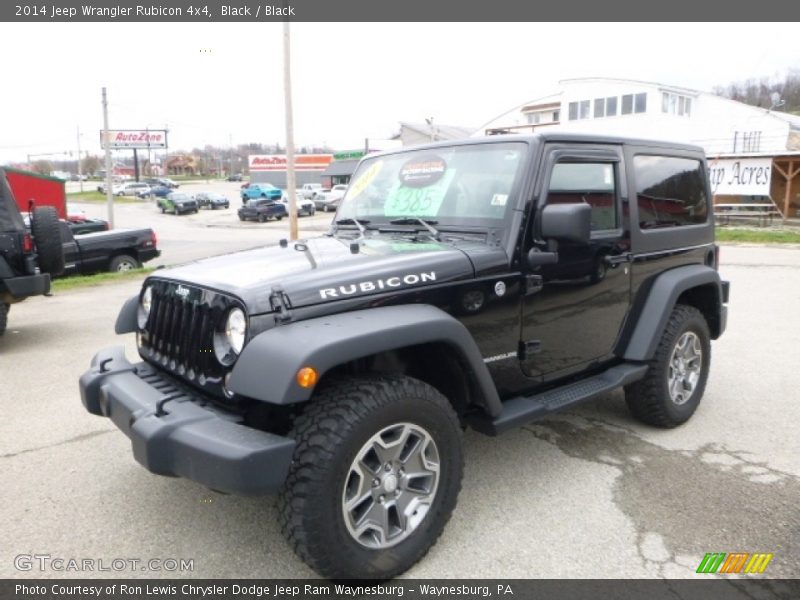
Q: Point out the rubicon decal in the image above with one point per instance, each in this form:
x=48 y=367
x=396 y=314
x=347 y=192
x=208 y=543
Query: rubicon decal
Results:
x=363 y=287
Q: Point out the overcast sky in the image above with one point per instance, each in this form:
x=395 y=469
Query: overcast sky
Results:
x=213 y=82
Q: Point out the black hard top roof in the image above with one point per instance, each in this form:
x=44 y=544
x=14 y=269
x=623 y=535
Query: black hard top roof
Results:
x=551 y=136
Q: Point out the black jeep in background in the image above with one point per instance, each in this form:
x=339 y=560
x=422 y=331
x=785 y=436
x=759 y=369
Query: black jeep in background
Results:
x=484 y=283
x=27 y=258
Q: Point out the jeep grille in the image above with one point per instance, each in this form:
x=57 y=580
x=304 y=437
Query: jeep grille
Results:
x=179 y=332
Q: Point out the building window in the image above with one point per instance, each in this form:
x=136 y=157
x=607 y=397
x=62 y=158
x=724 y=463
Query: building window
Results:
x=670 y=191
x=599 y=108
x=579 y=110
x=627 y=104
x=675 y=104
x=556 y=116
x=611 y=106
x=534 y=118
x=640 y=105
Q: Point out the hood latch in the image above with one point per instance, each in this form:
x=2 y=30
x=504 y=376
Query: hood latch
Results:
x=279 y=302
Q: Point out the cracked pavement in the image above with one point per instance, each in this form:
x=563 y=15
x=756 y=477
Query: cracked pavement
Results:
x=586 y=494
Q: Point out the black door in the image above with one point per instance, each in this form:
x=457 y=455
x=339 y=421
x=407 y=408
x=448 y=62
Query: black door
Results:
x=575 y=308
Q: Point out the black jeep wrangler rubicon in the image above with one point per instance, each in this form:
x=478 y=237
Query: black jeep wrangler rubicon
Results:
x=482 y=284
x=27 y=258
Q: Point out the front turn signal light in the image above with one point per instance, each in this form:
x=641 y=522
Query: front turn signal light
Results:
x=307 y=377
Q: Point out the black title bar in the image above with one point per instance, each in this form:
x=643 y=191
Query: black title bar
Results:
x=209 y=11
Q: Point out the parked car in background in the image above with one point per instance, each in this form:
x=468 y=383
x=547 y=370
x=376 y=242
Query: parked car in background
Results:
x=118 y=250
x=304 y=207
x=130 y=188
x=211 y=200
x=166 y=181
x=333 y=205
x=235 y=177
x=159 y=191
x=311 y=190
x=261 y=190
x=336 y=193
x=261 y=210
x=178 y=203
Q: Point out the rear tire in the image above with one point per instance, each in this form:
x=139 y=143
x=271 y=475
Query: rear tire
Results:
x=674 y=384
x=122 y=263
x=47 y=235
x=349 y=509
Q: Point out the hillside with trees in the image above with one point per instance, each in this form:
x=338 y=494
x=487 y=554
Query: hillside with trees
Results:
x=766 y=92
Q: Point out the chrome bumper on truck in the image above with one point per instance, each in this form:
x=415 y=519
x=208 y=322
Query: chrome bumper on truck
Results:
x=175 y=432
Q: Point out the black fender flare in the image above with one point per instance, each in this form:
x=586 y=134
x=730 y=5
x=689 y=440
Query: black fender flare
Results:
x=127 y=321
x=652 y=310
x=268 y=364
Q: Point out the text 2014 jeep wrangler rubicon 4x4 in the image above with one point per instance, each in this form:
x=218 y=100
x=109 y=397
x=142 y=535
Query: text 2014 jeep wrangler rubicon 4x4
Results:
x=482 y=284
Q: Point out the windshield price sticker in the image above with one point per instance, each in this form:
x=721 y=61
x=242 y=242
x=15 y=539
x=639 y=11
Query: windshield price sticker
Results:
x=418 y=201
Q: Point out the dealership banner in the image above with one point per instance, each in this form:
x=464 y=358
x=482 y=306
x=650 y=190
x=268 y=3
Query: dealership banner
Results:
x=133 y=138
x=416 y=589
x=277 y=162
x=740 y=176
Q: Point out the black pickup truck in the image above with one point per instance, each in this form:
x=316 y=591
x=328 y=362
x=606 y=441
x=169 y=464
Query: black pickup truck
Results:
x=118 y=250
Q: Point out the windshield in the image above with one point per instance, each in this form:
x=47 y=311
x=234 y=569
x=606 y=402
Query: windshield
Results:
x=459 y=185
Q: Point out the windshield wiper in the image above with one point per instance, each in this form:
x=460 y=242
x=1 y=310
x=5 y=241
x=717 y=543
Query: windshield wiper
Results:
x=357 y=222
x=427 y=223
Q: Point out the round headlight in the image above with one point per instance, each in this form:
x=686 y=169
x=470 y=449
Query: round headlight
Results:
x=235 y=329
x=145 y=303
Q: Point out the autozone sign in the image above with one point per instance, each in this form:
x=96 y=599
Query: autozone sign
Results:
x=134 y=138
x=277 y=162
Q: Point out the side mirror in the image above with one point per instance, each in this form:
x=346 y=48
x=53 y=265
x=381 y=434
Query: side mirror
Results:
x=567 y=222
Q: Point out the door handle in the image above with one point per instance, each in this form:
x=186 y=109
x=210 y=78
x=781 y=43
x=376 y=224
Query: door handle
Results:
x=613 y=261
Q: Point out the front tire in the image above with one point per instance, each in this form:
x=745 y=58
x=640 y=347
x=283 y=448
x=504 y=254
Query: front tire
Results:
x=375 y=476
x=674 y=384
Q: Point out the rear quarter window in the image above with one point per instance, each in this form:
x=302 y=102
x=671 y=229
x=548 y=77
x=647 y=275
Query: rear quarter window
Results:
x=670 y=191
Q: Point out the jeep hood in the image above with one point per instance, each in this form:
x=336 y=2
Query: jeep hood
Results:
x=323 y=269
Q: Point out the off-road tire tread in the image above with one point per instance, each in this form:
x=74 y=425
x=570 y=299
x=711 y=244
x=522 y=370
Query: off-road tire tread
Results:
x=645 y=397
x=320 y=428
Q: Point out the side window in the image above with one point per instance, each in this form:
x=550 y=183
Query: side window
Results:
x=670 y=191
x=589 y=182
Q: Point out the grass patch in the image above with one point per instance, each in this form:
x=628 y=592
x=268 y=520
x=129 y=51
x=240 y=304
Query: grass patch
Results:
x=95 y=196
x=79 y=281
x=761 y=236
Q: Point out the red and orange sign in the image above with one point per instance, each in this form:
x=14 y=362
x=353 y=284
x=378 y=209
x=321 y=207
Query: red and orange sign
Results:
x=277 y=162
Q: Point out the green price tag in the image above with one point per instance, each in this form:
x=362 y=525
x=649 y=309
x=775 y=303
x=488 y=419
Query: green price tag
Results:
x=417 y=201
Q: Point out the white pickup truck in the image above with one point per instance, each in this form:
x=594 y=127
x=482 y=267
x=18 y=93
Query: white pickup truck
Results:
x=311 y=190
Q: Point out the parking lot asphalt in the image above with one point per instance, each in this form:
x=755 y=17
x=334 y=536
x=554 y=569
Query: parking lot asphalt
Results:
x=589 y=493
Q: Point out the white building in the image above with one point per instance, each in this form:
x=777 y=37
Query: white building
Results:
x=752 y=151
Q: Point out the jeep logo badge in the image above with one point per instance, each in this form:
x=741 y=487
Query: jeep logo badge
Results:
x=182 y=291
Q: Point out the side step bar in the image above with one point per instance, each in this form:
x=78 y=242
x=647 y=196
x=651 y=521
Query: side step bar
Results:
x=523 y=409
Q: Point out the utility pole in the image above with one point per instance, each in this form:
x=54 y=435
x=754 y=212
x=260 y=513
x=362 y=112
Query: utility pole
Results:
x=287 y=89
x=230 y=143
x=109 y=194
x=80 y=168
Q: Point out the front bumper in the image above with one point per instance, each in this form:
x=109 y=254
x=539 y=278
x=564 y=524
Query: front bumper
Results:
x=175 y=432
